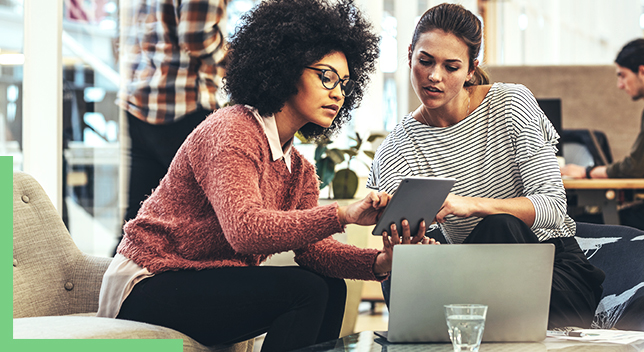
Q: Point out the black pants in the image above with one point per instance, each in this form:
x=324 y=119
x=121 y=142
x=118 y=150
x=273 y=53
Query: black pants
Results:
x=576 y=284
x=296 y=307
x=152 y=148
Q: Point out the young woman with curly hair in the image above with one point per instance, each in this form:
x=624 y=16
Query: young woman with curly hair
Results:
x=237 y=191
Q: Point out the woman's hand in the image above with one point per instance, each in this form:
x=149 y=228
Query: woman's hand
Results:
x=573 y=171
x=382 y=266
x=365 y=211
x=463 y=207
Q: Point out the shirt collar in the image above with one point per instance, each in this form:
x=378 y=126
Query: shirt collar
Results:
x=270 y=129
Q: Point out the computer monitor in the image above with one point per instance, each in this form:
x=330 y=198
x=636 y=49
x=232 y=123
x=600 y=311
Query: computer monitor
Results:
x=552 y=108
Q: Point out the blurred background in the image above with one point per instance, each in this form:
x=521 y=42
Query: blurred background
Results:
x=87 y=179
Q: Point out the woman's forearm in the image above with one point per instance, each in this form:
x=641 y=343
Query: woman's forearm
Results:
x=520 y=207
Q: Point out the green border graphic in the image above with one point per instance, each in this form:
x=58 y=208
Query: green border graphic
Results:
x=6 y=293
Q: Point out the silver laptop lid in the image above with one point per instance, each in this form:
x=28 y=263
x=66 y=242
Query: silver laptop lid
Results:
x=514 y=280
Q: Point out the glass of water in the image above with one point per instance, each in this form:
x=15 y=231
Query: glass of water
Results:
x=465 y=323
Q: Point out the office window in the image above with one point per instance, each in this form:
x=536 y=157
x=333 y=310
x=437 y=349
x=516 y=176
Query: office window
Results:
x=11 y=60
x=91 y=154
x=572 y=32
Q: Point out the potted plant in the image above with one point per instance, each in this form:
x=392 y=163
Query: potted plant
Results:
x=344 y=182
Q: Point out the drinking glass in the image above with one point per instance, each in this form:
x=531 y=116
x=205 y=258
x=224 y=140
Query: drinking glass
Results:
x=465 y=323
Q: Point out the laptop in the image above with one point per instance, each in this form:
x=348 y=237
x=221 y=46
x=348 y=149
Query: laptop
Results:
x=514 y=280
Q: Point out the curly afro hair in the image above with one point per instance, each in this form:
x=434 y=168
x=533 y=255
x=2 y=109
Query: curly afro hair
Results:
x=278 y=38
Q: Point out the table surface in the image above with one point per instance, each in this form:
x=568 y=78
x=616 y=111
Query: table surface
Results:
x=367 y=341
x=609 y=183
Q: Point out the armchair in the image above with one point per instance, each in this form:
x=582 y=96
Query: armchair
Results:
x=56 y=286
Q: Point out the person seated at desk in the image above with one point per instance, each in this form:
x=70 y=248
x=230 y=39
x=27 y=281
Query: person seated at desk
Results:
x=630 y=78
x=237 y=192
x=499 y=145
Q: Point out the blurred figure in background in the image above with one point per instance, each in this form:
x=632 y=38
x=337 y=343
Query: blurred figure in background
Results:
x=630 y=78
x=174 y=53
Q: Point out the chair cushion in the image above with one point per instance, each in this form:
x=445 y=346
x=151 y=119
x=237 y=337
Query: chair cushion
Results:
x=90 y=327
x=617 y=250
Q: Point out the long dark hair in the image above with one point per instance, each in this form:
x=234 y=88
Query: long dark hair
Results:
x=455 y=19
x=632 y=55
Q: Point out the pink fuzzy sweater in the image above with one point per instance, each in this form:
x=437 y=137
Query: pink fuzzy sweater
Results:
x=225 y=202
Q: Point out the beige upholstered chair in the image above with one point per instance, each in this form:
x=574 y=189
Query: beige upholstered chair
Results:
x=56 y=286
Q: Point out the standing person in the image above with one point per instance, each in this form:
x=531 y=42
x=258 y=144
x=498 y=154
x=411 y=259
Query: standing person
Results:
x=174 y=59
x=499 y=146
x=630 y=78
x=238 y=191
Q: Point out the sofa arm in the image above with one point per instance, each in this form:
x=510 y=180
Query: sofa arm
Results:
x=87 y=277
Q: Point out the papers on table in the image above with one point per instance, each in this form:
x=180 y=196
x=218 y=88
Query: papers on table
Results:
x=622 y=337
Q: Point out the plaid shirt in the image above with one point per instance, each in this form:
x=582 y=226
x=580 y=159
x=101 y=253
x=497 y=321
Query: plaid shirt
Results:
x=174 y=58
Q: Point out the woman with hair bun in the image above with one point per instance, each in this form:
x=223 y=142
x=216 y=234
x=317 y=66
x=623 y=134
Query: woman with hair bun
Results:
x=499 y=145
x=237 y=192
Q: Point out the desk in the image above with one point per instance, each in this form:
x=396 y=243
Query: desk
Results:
x=603 y=193
x=367 y=341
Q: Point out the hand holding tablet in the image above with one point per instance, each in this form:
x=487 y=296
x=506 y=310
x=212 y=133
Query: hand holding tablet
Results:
x=417 y=198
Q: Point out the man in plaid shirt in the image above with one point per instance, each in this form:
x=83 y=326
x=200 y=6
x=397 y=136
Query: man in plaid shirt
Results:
x=174 y=55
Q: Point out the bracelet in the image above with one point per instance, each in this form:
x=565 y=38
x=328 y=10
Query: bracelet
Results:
x=588 y=170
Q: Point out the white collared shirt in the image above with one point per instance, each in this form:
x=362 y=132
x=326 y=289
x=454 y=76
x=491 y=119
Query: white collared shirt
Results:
x=270 y=129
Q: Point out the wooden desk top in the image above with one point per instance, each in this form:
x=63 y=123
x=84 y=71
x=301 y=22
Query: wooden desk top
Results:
x=610 y=183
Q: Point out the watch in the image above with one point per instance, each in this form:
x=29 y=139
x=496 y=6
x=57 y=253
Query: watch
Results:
x=588 y=170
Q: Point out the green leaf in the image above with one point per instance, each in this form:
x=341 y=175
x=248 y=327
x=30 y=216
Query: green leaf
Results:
x=350 y=152
x=358 y=142
x=369 y=153
x=345 y=184
x=325 y=169
x=302 y=138
x=319 y=151
x=336 y=155
x=375 y=136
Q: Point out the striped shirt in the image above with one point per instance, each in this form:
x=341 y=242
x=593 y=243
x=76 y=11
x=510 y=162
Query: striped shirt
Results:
x=173 y=56
x=504 y=149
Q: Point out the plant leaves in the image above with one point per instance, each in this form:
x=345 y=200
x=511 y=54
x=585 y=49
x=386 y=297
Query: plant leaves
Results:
x=325 y=169
x=375 y=136
x=302 y=138
x=345 y=184
x=319 y=151
x=336 y=155
x=350 y=152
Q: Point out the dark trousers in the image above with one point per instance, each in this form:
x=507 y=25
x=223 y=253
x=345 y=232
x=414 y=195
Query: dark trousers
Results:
x=576 y=284
x=152 y=148
x=294 y=306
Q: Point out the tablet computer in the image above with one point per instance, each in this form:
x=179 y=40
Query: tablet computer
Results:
x=417 y=198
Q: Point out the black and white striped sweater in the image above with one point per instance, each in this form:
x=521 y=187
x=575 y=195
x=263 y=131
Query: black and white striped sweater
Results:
x=504 y=149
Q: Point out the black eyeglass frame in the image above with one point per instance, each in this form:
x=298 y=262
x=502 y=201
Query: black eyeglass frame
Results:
x=342 y=81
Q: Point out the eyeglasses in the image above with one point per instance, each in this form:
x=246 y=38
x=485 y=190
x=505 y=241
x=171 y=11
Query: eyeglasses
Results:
x=330 y=80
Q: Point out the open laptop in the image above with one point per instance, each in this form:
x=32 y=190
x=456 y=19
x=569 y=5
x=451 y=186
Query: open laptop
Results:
x=514 y=280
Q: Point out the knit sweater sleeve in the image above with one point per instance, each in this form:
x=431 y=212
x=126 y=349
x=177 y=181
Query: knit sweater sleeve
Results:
x=332 y=258
x=228 y=159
